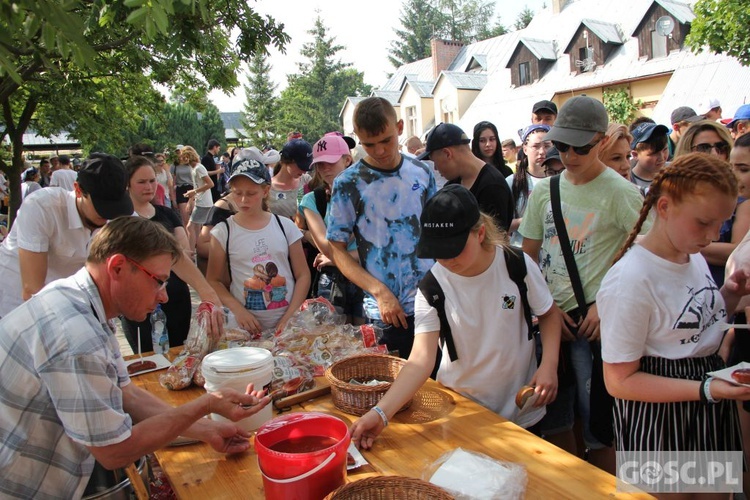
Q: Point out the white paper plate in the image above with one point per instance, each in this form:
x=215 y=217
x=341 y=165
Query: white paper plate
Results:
x=726 y=373
x=161 y=363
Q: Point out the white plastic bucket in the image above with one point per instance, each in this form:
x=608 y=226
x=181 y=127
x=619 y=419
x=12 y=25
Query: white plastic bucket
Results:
x=235 y=368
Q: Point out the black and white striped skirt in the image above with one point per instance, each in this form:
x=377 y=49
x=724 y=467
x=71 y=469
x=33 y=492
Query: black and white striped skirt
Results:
x=680 y=426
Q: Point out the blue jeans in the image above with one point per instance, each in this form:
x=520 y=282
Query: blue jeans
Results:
x=582 y=361
x=344 y=295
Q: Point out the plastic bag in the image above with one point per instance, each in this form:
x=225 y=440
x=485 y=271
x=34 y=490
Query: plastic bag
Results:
x=470 y=475
x=197 y=344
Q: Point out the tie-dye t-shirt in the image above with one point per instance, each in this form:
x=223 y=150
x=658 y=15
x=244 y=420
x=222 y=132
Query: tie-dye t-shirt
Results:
x=382 y=208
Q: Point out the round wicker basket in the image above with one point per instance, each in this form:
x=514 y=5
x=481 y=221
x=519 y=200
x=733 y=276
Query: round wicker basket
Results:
x=355 y=398
x=389 y=488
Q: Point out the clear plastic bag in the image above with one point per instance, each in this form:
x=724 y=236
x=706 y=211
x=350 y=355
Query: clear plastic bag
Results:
x=470 y=475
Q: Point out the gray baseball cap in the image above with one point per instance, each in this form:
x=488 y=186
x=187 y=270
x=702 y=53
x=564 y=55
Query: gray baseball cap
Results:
x=579 y=120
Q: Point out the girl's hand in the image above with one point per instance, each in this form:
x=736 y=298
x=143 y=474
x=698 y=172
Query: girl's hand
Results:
x=246 y=320
x=366 y=429
x=283 y=321
x=322 y=261
x=721 y=389
x=545 y=385
x=190 y=194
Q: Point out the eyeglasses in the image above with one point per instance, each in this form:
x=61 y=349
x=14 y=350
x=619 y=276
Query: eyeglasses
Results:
x=551 y=172
x=721 y=147
x=579 y=150
x=162 y=283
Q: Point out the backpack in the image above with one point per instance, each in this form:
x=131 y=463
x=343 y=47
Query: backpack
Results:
x=433 y=293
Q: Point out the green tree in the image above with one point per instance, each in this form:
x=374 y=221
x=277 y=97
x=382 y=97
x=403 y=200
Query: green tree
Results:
x=722 y=26
x=420 y=20
x=524 y=18
x=85 y=48
x=312 y=100
x=259 y=113
x=213 y=127
x=620 y=105
x=182 y=126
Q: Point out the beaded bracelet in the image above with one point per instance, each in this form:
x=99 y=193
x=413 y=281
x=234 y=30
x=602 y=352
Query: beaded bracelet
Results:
x=380 y=412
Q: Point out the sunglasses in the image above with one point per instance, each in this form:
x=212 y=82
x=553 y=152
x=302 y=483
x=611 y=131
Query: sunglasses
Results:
x=579 y=150
x=162 y=283
x=721 y=147
x=551 y=172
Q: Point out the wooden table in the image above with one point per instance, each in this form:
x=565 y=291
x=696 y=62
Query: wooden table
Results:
x=438 y=421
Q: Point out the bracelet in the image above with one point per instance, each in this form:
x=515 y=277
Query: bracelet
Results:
x=380 y=412
x=707 y=391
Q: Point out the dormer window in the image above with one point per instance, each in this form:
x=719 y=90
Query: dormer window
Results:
x=658 y=45
x=654 y=40
x=524 y=74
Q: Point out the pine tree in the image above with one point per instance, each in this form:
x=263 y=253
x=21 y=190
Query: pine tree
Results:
x=258 y=116
x=312 y=100
x=421 y=21
x=524 y=18
x=213 y=127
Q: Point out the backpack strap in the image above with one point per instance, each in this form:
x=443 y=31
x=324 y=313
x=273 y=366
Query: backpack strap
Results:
x=226 y=249
x=434 y=295
x=281 y=226
x=516 y=264
x=321 y=200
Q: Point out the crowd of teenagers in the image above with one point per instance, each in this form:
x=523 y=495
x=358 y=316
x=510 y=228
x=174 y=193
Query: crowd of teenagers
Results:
x=598 y=263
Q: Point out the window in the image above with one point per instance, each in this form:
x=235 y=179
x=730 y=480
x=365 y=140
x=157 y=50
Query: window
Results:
x=658 y=45
x=524 y=74
x=411 y=121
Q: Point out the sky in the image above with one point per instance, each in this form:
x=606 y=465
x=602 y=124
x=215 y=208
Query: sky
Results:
x=364 y=32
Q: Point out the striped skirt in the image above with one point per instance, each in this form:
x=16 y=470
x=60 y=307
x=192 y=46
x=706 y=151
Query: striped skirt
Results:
x=680 y=426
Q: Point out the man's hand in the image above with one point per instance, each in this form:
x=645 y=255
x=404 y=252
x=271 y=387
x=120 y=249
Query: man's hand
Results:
x=391 y=311
x=590 y=325
x=567 y=324
x=226 y=437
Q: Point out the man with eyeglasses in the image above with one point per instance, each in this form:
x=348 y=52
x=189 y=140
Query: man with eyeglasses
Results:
x=67 y=396
x=599 y=208
x=50 y=237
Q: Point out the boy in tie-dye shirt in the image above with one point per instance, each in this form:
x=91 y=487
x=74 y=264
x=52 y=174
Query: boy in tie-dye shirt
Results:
x=379 y=200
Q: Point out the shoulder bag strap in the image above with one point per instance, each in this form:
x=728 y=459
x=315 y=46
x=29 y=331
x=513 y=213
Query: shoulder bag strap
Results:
x=567 y=251
x=516 y=265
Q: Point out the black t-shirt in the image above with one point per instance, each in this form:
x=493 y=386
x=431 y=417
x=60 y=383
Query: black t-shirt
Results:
x=209 y=162
x=167 y=218
x=493 y=195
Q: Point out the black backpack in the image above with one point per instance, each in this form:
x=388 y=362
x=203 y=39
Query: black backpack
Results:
x=433 y=293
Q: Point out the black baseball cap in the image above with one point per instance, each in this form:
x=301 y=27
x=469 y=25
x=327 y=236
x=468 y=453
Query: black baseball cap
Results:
x=446 y=221
x=104 y=179
x=545 y=105
x=644 y=131
x=298 y=151
x=443 y=136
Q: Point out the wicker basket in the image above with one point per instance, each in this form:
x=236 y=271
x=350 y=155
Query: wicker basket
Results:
x=389 y=488
x=358 y=399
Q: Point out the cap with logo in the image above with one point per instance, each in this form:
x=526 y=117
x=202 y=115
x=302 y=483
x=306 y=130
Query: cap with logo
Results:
x=685 y=114
x=545 y=105
x=533 y=128
x=742 y=113
x=579 y=120
x=349 y=141
x=298 y=151
x=644 y=131
x=446 y=221
x=252 y=169
x=330 y=149
x=443 y=136
x=104 y=179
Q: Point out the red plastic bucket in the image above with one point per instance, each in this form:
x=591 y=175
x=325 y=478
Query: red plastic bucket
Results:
x=302 y=456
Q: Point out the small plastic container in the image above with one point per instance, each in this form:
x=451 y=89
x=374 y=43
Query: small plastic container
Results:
x=236 y=368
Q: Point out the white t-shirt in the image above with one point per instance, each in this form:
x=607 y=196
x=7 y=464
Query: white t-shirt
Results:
x=63 y=178
x=48 y=221
x=485 y=313
x=262 y=277
x=203 y=199
x=650 y=306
